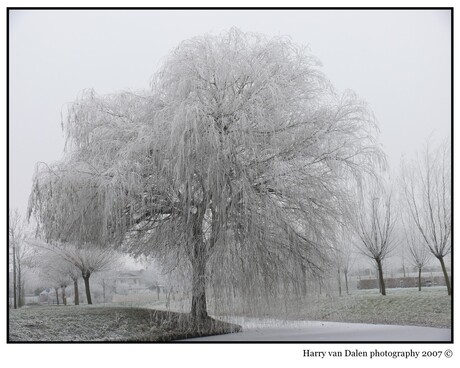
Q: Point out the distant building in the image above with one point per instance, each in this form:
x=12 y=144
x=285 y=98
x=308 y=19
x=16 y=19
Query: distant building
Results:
x=132 y=282
x=48 y=296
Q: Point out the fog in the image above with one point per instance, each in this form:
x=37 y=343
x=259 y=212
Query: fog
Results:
x=399 y=61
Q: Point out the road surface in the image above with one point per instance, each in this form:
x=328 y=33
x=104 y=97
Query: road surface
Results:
x=272 y=330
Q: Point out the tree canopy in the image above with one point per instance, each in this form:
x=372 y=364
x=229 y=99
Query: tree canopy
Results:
x=242 y=156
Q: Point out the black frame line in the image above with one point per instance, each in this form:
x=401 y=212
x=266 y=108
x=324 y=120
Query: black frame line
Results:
x=8 y=9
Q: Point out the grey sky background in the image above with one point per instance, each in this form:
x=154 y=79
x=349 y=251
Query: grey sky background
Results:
x=399 y=61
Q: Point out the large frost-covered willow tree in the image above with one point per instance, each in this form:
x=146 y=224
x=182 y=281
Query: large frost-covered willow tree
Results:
x=236 y=164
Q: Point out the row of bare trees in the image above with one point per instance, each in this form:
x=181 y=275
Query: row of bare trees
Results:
x=57 y=265
x=63 y=265
x=427 y=191
x=424 y=211
x=21 y=255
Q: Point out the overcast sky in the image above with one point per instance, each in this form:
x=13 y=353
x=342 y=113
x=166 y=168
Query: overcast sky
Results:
x=399 y=61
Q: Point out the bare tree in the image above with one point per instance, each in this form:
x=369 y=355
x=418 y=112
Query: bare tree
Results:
x=375 y=227
x=70 y=261
x=348 y=259
x=59 y=270
x=418 y=252
x=426 y=183
x=24 y=259
x=73 y=272
x=339 y=263
x=54 y=271
x=20 y=254
x=344 y=254
x=88 y=259
x=239 y=156
x=14 y=236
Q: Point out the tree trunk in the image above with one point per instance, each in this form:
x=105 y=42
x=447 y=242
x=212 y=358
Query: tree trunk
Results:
x=339 y=281
x=23 y=295
x=345 y=273
x=420 y=279
x=446 y=276
x=199 y=308
x=20 y=292
x=56 y=290
x=86 y=276
x=75 y=291
x=15 y=304
x=64 y=297
x=381 y=280
x=378 y=280
x=199 y=256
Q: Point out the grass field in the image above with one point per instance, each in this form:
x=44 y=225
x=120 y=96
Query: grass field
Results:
x=429 y=307
x=96 y=323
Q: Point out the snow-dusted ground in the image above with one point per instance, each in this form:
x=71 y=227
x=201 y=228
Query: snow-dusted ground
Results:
x=274 y=330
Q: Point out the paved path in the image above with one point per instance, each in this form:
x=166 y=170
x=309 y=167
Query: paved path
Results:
x=260 y=330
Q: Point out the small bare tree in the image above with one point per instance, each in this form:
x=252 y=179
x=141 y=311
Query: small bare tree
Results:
x=53 y=270
x=348 y=260
x=61 y=269
x=426 y=183
x=339 y=260
x=89 y=259
x=418 y=252
x=375 y=227
x=345 y=255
